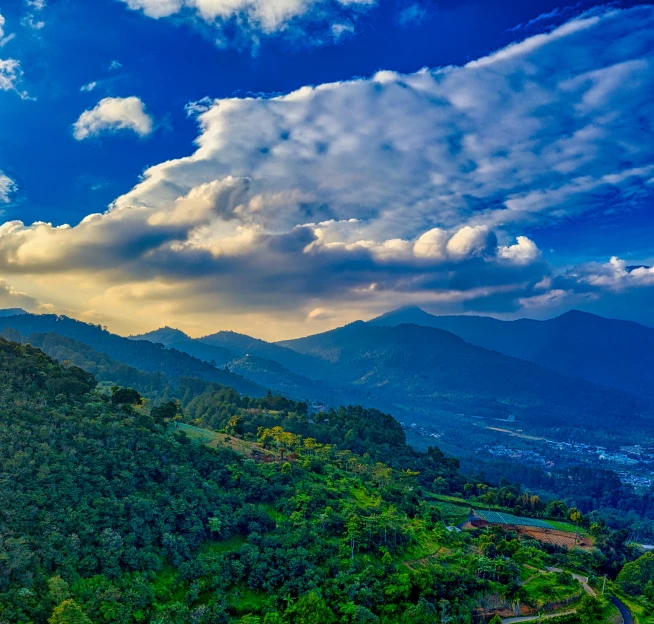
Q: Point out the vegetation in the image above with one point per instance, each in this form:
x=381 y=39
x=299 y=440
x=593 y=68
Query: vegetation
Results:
x=217 y=507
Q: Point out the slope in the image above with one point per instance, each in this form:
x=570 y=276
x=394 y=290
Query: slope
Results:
x=431 y=369
x=609 y=352
x=298 y=363
x=112 y=514
x=141 y=354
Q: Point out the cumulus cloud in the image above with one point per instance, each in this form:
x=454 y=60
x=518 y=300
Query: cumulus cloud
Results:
x=376 y=192
x=262 y=17
x=112 y=114
x=616 y=275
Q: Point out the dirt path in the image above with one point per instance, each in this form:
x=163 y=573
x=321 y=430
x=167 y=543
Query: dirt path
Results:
x=531 y=618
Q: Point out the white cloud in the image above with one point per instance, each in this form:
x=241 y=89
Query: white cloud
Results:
x=10 y=74
x=7 y=187
x=4 y=39
x=414 y=13
x=388 y=190
x=33 y=18
x=193 y=109
x=524 y=251
x=262 y=16
x=342 y=29
x=10 y=71
x=88 y=87
x=614 y=275
x=113 y=114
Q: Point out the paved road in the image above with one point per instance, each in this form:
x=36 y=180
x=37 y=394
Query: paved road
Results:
x=624 y=612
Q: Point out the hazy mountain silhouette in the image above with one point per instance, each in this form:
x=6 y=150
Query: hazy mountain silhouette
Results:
x=609 y=352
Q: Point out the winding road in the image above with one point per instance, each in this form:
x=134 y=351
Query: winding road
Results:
x=627 y=618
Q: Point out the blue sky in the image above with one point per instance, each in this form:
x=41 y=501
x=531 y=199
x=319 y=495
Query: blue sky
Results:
x=501 y=186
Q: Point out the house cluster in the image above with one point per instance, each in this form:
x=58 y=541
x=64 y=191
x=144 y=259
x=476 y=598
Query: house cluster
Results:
x=521 y=455
x=422 y=430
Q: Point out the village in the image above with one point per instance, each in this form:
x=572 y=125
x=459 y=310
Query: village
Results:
x=633 y=464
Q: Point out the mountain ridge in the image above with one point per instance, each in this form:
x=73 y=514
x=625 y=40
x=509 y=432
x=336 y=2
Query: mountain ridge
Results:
x=436 y=367
x=609 y=352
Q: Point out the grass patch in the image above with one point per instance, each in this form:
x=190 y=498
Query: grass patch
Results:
x=451 y=513
x=203 y=436
x=568 y=527
x=544 y=588
x=167 y=586
x=424 y=544
x=364 y=498
x=246 y=601
x=230 y=544
x=277 y=516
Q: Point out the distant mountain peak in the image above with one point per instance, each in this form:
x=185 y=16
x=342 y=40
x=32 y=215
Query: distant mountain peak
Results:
x=164 y=335
x=12 y=312
x=406 y=314
x=574 y=313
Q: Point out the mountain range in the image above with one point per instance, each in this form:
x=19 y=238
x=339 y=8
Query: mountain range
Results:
x=605 y=351
x=577 y=373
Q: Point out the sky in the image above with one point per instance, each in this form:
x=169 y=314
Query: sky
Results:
x=283 y=167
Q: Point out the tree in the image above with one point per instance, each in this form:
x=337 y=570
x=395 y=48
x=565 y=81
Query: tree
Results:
x=592 y=609
x=287 y=469
x=575 y=515
x=635 y=576
x=557 y=509
x=424 y=612
x=58 y=590
x=69 y=612
x=165 y=411
x=310 y=609
x=496 y=620
x=125 y=396
x=356 y=614
x=354 y=531
x=235 y=426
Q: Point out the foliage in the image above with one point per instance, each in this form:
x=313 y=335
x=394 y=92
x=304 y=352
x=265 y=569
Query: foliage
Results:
x=636 y=575
x=111 y=513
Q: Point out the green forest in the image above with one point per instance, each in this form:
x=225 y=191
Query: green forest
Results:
x=206 y=506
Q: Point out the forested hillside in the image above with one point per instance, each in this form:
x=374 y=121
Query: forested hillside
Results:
x=141 y=354
x=226 y=508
